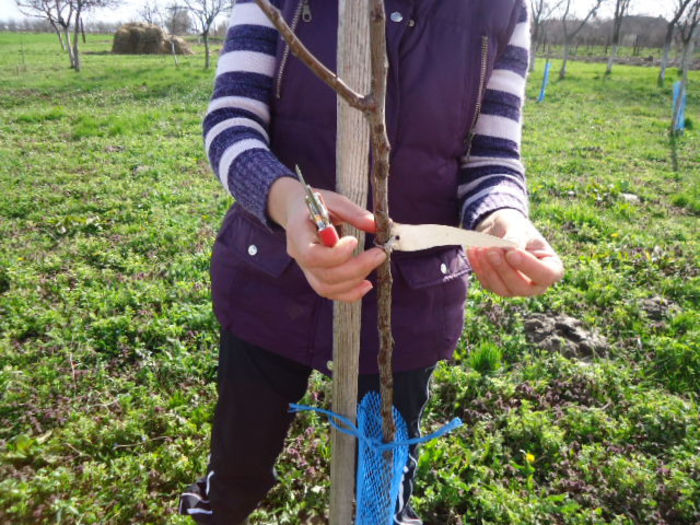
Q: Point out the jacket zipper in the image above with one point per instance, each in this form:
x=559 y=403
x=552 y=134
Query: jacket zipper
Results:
x=306 y=11
x=480 y=93
x=303 y=12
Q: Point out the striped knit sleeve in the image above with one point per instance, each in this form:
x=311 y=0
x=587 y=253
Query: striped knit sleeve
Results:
x=492 y=175
x=237 y=121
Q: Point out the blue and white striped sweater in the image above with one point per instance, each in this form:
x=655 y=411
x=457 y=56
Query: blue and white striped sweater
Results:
x=236 y=125
x=492 y=175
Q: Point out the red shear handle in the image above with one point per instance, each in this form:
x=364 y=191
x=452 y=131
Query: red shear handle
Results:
x=329 y=236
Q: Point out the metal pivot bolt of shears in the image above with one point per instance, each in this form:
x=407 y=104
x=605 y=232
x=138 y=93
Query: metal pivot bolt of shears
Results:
x=319 y=214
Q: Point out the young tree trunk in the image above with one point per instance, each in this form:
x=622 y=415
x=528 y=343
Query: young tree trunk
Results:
x=207 y=58
x=76 y=51
x=381 y=150
x=666 y=54
x=58 y=33
x=69 y=45
x=562 y=71
x=616 y=36
x=172 y=51
x=611 y=59
x=533 y=46
x=688 y=50
x=352 y=154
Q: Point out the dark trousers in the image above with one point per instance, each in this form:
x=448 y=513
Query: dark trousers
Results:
x=252 y=419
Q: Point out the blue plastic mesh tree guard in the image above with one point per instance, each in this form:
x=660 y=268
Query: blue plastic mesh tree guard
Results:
x=377 y=486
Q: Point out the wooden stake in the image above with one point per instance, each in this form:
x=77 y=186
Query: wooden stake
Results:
x=352 y=159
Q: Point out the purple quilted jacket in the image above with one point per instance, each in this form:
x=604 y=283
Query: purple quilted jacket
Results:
x=455 y=91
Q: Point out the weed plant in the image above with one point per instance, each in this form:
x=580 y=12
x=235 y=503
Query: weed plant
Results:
x=108 y=212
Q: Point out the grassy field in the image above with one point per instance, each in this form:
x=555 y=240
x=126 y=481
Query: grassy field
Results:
x=108 y=212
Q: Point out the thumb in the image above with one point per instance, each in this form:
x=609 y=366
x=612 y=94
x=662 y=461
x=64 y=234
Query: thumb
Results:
x=343 y=210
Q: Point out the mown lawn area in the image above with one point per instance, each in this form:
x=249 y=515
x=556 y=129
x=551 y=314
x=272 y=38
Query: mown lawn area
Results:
x=108 y=211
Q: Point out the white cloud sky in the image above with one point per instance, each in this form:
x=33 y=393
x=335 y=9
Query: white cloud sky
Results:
x=130 y=8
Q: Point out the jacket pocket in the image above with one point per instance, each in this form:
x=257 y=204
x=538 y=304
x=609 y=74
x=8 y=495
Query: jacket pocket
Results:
x=428 y=308
x=257 y=292
x=432 y=269
x=249 y=242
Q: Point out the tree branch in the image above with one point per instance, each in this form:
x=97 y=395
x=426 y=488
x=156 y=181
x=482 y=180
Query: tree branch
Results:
x=592 y=12
x=380 y=175
x=680 y=8
x=299 y=50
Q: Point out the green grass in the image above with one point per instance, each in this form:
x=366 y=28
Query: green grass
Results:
x=600 y=52
x=108 y=212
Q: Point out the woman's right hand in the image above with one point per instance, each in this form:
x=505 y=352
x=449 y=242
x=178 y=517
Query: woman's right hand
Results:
x=334 y=273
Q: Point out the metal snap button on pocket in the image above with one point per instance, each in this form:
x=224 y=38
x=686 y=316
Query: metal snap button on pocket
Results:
x=252 y=250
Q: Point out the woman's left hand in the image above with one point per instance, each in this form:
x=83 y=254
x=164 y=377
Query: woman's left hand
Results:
x=527 y=270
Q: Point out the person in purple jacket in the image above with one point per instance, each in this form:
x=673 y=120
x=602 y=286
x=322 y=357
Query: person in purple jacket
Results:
x=456 y=86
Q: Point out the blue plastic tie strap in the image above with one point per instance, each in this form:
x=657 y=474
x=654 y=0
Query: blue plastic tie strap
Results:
x=545 y=81
x=680 y=96
x=378 y=487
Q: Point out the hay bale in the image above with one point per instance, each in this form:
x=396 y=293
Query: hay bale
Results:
x=147 y=39
x=181 y=47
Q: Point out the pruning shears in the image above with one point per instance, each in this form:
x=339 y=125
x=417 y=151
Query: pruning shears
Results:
x=319 y=214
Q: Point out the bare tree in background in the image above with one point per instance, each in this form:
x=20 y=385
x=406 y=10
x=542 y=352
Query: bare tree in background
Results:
x=621 y=10
x=78 y=7
x=541 y=11
x=687 y=27
x=678 y=10
x=205 y=13
x=46 y=9
x=76 y=10
x=177 y=20
x=64 y=19
x=150 y=13
x=221 y=29
x=569 y=36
